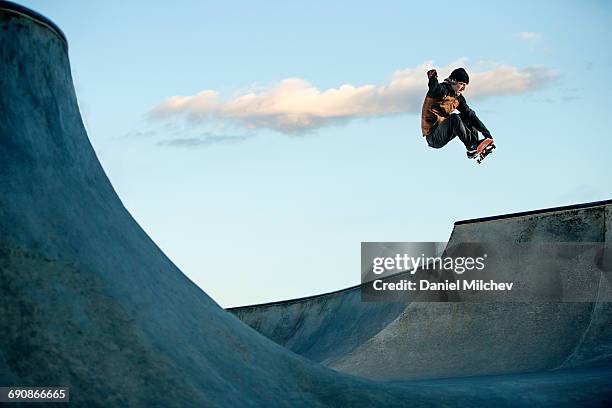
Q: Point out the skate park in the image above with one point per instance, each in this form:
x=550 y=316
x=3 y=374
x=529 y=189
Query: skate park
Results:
x=89 y=302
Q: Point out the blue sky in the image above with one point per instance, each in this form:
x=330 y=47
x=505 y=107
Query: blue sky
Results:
x=264 y=190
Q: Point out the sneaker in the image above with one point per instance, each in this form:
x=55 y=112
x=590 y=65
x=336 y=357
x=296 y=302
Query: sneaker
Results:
x=471 y=153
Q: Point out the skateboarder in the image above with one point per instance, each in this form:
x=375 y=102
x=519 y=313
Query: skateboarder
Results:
x=440 y=125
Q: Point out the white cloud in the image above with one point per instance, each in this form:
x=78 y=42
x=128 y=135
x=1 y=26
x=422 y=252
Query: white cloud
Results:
x=508 y=80
x=203 y=141
x=529 y=36
x=295 y=105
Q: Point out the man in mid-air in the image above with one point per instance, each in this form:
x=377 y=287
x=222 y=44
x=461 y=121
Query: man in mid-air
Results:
x=440 y=125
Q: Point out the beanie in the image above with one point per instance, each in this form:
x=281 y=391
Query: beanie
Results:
x=460 y=75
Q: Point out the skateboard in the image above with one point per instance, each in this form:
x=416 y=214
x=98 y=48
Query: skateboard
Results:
x=485 y=149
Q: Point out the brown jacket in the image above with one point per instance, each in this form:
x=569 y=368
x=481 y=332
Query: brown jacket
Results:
x=435 y=110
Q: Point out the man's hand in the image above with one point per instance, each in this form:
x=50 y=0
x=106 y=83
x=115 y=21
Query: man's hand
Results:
x=432 y=73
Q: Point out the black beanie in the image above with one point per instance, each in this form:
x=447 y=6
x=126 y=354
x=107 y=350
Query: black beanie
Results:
x=460 y=75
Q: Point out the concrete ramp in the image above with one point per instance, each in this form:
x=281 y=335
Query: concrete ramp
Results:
x=394 y=341
x=87 y=300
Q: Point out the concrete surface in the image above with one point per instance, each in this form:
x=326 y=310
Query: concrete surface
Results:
x=417 y=340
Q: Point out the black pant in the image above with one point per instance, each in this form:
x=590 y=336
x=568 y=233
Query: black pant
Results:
x=454 y=125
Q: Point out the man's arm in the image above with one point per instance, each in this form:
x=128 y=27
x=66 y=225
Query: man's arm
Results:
x=466 y=110
x=435 y=89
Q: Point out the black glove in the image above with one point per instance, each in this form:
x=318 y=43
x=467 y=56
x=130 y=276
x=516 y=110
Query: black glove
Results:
x=432 y=73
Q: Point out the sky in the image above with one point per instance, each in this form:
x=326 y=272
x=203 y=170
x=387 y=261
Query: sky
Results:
x=259 y=143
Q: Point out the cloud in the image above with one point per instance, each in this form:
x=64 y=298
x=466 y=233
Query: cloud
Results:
x=529 y=36
x=508 y=80
x=571 y=98
x=203 y=141
x=295 y=105
x=140 y=134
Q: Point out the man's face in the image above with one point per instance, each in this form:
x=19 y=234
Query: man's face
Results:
x=458 y=87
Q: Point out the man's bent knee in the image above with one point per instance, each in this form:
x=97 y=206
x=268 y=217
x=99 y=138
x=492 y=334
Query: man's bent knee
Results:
x=430 y=141
x=454 y=118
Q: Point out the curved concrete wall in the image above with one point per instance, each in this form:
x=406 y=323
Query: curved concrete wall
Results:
x=432 y=340
x=87 y=300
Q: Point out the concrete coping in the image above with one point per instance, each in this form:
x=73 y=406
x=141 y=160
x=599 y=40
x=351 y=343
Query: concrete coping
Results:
x=536 y=212
x=32 y=15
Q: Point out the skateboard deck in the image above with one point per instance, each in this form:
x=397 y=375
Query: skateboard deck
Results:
x=486 y=150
